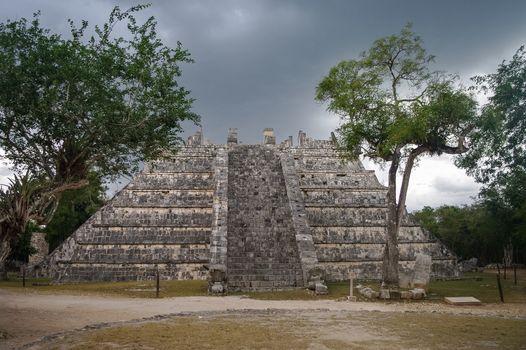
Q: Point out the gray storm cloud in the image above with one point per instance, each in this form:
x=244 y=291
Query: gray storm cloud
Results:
x=257 y=63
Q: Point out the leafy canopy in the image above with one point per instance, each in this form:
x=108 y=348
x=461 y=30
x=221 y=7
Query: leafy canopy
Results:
x=497 y=157
x=389 y=99
x=104 y=103
x=499 y=143
x=74 y=208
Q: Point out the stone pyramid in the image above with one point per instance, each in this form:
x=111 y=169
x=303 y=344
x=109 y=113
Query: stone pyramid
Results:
x=256 y=217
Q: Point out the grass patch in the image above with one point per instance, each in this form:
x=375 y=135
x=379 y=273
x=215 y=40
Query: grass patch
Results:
x=192 y=333
x=435 y=331
x=363 y=330
x=482 y=286
x=133 y=289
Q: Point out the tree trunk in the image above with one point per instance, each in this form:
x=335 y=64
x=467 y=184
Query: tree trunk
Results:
x=391 y=255
x=5 y=250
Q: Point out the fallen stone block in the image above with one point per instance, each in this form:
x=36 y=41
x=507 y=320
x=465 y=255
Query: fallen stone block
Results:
x=384 y=294
x=394 y=294
x=405 y=294
x=368 y=293
x=417 y=293
x=217 y=288
x=462 y=301
x=321 y=289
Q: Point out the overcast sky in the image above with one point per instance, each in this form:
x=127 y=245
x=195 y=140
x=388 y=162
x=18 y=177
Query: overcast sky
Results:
x=257 y=63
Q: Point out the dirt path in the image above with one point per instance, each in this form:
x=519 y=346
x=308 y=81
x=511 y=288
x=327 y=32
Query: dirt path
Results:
x=28 y=316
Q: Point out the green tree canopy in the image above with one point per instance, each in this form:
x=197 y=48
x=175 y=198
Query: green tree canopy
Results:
x=395 y=108
x=103 y=103
x=72 y=106
x=74 y=208
x=497 y=156
x=21 y=201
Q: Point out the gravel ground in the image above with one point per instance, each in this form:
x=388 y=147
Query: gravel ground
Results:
x=29 y=316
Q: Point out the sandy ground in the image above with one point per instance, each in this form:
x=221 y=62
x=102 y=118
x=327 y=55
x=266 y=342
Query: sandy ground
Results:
x=28 y=316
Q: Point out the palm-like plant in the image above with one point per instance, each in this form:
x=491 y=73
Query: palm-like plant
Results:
x=23 y=199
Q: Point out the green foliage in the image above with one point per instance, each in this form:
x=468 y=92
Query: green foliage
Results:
x=22 y=249
x=75 y=207
x=101 y=103
x=499 y=145
x=497 y=157
x=480 y=230
x=70 y=106
x=18 y=203
x=393 y=109
x=389 y=100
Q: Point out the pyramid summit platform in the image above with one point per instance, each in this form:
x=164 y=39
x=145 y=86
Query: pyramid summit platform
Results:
x=253 y=217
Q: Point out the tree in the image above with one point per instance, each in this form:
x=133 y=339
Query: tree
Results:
x=22 y=201
x=75 y=207
x=497 y=157
x=103 y=103
x=470 y=231
x=394 y=109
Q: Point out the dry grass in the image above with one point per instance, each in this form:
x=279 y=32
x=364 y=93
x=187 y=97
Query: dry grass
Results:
x=308 y=330
x=436 y=331
x=479 y=285
x=132 y=289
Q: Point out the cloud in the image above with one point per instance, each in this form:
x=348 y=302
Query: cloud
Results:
x=257 y=63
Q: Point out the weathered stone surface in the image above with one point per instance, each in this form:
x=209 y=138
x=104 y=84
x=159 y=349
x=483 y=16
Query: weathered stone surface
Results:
x=417 y=293
x=262 y=248
x=217 y=288
x=321 y=288
x=422 y=271
x=385 y=294
x=470 y=265
x=395 y=294
x=405 y=294
x=368 y=293
x=462 y=301
x=41 y=247
x=270 y=216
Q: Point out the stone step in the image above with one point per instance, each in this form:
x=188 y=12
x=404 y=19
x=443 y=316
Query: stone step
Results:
x=185 y=217
x=122 y=254
x=195 y=164
x=345 y=198
x=375 y=251
x=82 y=272
x=142 y=235
x=181 y=181
x=261 y=236
x=163 y=198
x=367 y=234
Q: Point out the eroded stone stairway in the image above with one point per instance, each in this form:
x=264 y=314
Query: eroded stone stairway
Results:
x=262 y=249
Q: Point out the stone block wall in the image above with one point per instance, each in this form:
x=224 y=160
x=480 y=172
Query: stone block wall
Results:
x=346 y=209
x=161 y=221
x=265 y=215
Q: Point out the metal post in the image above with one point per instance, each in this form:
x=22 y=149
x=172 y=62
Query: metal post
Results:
x=351 y=287
x=23 y=276
x=499 y=285
x=157 y=284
